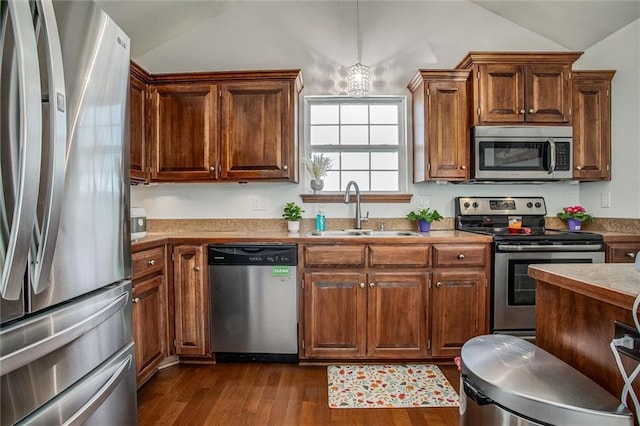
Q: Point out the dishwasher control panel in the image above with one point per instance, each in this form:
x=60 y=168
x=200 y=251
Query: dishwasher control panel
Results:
x=252 y=254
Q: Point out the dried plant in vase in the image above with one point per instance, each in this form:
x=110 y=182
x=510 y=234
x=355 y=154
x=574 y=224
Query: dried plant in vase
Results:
x=317 y=166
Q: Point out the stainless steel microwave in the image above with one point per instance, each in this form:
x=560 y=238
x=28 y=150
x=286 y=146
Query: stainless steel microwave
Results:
x=527 y=153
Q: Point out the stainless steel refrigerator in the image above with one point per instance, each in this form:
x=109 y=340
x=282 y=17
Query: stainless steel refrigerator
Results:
x=66 y=347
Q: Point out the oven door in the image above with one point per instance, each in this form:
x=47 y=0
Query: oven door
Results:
x=514 y=292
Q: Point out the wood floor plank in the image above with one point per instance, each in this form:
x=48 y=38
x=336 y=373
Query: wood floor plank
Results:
x=262 y=394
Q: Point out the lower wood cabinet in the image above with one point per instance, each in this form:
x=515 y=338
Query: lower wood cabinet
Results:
x=191 y=300
x=150 y=327
x=622 y=251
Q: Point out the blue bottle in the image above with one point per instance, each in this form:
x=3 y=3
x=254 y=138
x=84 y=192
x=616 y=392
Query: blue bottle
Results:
x=321 y=221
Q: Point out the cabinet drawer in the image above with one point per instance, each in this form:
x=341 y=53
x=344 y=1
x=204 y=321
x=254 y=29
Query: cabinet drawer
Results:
x=399 y=255
x=147 y=262
x=459 y=255
x=347 y=256
x=622 y=252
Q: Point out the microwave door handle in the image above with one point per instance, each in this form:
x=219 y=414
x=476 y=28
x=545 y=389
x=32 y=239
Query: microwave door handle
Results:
x=25 y=169
x=552 y=153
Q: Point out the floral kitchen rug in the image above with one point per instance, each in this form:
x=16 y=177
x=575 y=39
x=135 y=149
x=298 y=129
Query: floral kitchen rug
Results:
x=389 y=386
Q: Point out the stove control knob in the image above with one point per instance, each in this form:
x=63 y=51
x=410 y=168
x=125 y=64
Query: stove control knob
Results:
x=529 y=204
x=466 y=205
x=475 y=205
x=538 y=205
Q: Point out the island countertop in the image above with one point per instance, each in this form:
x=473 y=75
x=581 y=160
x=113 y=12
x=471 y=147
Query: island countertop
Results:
x=615 y=283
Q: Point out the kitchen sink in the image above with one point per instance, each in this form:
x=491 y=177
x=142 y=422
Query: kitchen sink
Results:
x=362 y=233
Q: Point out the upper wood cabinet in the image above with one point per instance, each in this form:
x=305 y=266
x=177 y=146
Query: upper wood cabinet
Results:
x=520 y=87
x=139 y=104
x=592 y=125
x=440 y=125
x=232 y=126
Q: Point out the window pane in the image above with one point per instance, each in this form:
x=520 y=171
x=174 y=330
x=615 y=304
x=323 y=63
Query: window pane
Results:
x=384 y=114
x=384 y=161
x=323 y=135
x=354 y=114
x=332 y=180
x=323 y=114
x=354 y=135
x=384 y=181
x=384 y=135
x=361 y=178
x=355 y=161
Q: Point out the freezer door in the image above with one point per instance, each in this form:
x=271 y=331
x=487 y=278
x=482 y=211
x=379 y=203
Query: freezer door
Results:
x=105 y=397
x=42 y=356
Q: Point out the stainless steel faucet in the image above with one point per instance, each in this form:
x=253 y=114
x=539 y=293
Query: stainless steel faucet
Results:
x=347 y=198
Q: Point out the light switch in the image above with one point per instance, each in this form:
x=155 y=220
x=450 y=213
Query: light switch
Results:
x=259 y=202
x=605 y=199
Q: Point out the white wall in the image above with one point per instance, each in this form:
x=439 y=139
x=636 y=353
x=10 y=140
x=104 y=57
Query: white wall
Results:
x=413 y=35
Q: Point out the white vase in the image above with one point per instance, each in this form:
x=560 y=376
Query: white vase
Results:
x=317 y=185
x=293 y=225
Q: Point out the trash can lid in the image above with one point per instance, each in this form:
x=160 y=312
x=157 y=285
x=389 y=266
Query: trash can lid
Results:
x=531 y=382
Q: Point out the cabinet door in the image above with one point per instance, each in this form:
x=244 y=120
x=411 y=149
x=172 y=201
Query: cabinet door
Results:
x=547 y=93
x=184 y=132
x=447 y=135
x=191 y=295
x=397 y=315
x=258 y=131
x=501 y=93
x=591 y=128
x=149 y=325
x=458 y=300
x=335 y=314
x=138 y=125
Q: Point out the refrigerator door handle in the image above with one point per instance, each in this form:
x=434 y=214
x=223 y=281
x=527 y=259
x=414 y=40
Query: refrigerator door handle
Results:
x=79 y=417
x=31 y=352
x=26 y=166
x=45 y=232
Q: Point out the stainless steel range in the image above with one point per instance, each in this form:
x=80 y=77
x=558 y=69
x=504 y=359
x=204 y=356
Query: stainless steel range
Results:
x=520 y=238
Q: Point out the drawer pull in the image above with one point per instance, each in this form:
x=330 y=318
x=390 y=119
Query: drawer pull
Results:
x=362 y=285
x=152 y=262
x=631 y=255
x=136 y=300
x=439 y=284
x=461 y=256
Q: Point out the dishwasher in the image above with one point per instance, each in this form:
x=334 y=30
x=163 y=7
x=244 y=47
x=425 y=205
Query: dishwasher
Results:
x=254 y=302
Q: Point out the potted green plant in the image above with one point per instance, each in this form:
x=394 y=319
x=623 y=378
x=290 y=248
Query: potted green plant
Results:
x=424 y=217
x=293 y=213
x=575 y=215
x=317 y=166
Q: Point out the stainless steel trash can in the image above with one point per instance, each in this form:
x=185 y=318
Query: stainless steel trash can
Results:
x=508 y=381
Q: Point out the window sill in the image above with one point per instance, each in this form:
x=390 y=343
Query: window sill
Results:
x=364 y=198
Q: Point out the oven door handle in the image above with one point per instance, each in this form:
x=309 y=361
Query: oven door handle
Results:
x=565 y=247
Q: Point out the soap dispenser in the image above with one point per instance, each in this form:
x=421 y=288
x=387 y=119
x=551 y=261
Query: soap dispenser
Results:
x=321 y=221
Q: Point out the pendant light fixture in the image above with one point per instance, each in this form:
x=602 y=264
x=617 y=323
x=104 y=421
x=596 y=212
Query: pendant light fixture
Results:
x=358 y=74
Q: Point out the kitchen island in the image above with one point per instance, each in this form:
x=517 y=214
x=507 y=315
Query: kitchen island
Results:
x=577 y=306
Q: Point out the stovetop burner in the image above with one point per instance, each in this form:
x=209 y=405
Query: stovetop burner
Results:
x=492 y=216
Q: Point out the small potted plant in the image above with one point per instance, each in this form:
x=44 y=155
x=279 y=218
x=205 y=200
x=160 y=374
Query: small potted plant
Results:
x=317 y=165
x=575 y=215
x=424 y=218
x=293 y=213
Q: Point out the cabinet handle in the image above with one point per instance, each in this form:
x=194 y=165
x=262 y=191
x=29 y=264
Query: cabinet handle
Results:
x=579 y=167
x=196 y=268
x=361 y=285
x=461 y=256
x=285 y=167
x=531 y=111
x=631 y=255
x=152 y=262
x=372 y=285
x=521 y=111
x=439 y=284
x=463 y=167
x=212 y=169
x=136 y=300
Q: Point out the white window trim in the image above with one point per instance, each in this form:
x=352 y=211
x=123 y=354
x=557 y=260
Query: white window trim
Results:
x=403 y=166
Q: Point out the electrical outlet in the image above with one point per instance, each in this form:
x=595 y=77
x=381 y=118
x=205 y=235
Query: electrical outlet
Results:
x=622 y=330
x=424 y=201
x=605 y=199
x=259 y=202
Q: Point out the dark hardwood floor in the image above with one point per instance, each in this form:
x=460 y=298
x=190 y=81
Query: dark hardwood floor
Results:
x=266 y=394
